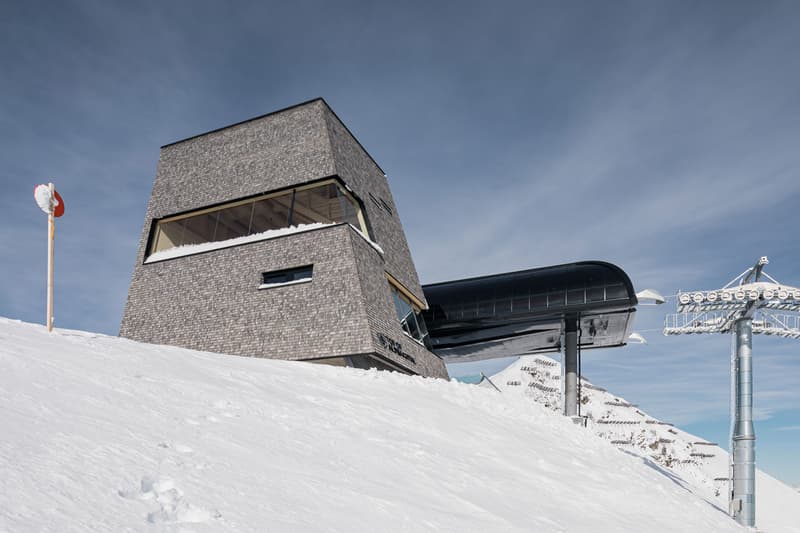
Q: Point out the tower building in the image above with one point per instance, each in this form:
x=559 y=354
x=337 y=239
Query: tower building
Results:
x=278 y=237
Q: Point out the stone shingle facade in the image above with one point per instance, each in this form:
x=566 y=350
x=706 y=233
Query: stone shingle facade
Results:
x=212 y=301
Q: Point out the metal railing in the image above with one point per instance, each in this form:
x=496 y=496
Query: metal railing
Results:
x=765 y=323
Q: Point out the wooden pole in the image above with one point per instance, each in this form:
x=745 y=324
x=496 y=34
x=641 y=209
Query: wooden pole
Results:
x=51 y=230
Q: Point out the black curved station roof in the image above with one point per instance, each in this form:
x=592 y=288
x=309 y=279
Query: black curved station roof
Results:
x=522 y=312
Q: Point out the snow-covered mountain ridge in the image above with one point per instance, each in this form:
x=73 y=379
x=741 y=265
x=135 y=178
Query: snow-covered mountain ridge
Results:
x=106 y=434
x=701 y=464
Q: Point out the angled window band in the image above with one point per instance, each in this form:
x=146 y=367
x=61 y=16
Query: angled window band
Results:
x=322 y=202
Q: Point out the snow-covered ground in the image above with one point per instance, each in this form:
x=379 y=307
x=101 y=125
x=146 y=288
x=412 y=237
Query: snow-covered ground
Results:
x=702 y=465
x=106 y=434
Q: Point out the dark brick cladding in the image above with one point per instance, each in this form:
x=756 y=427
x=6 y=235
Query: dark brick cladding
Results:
x=363 y=175
x=210 y=301
x=381 y=314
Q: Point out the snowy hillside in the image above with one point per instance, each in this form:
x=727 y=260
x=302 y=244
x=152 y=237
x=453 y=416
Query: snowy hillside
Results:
x=702 y=465
x=105 y=434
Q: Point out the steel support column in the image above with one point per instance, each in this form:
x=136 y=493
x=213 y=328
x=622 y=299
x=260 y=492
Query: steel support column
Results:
x=743 y=497
x=571 y=367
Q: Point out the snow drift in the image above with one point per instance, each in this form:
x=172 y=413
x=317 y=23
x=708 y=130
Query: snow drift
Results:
x=106 y=434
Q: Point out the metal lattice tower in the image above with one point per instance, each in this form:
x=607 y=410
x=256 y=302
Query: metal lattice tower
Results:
x=752 y=303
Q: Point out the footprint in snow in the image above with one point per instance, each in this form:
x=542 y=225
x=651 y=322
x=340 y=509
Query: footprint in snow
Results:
x=226 y=407
x=225 y=404
x=173 y=509
x=180 y=448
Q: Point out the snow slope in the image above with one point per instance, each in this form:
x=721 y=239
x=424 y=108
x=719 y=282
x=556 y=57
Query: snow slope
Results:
x=106 y=434
x=702 y=465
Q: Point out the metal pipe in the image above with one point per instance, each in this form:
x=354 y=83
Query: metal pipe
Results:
x=484 y=376
x=561 y=344
x=732 y=417
x=580 y=394
x=51 y=233
x=571 y=367
x=743 y=502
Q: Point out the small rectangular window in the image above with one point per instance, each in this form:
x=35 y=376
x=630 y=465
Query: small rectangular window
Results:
x=576 y=296
x=556 y=298
x=521 y=304
x=288 y=276
x=596 y=294
x=616 y=291
x=502 y=306
x=539 y=300
x=486 y=308
x=386 y=206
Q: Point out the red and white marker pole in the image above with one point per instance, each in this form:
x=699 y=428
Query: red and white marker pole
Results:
x=51 y=203
x=51 y=234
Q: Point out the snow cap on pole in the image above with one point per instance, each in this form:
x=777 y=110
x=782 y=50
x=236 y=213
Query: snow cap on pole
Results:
x=52 y=205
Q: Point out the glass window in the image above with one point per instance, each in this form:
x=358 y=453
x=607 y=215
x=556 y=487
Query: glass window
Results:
x=539 y=300
x=271 y=213
x=555 y=298
x=452 y=311
x=423 y=328
x=326 y=202
x=616 y=291
x=486 y=308
x=169 y=235
x=199 y=228
x=502 y=306
x=469 y=310
x=409 y=315
x=401 y=305
x=575 y=296
x=411 y=326
x=319 y=204
x=596 y=294
x=288 y=275
x=521 y=304
x=234 y=222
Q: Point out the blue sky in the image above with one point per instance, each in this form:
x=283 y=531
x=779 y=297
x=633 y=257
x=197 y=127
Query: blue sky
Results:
x=660 y=136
